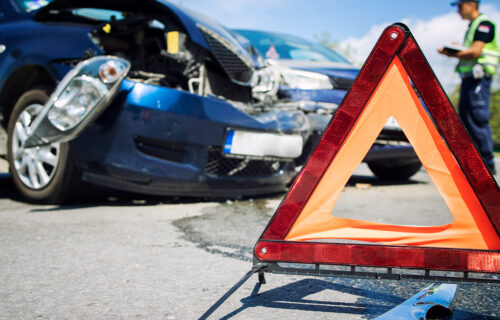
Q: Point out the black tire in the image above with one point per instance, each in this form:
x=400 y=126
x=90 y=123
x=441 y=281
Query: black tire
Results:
x=394 y=170
x=61 y=180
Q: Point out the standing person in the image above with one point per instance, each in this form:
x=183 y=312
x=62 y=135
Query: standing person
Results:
x=478 y=64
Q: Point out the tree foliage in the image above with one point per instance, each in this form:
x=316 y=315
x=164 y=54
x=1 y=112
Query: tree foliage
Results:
x=495 y=117
x=494 y=112
x=326 y=39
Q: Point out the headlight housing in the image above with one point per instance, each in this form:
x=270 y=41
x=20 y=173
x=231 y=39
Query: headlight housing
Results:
x=79 y=98
x=75 y=102
x=265 y=82
x=305 y=80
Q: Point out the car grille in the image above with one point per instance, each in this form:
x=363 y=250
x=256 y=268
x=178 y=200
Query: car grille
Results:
x=233 y=63
x=219 y=165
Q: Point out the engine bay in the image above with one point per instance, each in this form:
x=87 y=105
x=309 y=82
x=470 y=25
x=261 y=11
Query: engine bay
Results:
x=162 y=53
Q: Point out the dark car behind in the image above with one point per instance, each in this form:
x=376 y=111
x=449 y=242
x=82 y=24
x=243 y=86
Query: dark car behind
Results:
x=319 y=78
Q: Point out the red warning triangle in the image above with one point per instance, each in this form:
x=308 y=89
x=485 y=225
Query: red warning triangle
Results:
x=303 y=229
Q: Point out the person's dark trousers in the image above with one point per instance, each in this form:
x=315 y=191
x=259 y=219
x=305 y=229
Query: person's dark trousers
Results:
x=474 y=111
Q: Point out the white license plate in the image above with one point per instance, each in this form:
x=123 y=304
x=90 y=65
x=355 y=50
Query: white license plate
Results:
x=261 y=144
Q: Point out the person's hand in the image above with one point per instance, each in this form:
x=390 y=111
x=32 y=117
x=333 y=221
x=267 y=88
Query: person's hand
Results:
x=445 y=52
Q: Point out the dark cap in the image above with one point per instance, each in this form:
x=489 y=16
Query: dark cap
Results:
x=456 y=3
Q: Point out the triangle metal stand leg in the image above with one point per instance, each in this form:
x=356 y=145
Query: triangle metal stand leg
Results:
x=259 y=268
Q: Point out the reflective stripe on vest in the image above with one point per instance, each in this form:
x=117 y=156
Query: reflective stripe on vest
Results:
x=490 y=56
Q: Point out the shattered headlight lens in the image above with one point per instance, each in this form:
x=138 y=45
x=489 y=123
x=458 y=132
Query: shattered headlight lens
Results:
x=298 y=79
x=86 y=90
x=80 y=96
x=265 y=82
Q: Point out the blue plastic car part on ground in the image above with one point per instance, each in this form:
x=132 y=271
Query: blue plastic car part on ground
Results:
x=436 y=301
x=164 y=132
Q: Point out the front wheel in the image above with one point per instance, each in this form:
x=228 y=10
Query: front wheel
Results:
x=44 y=174
x=394 y=170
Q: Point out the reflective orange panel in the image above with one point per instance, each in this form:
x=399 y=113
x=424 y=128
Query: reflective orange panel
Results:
x=395 y=97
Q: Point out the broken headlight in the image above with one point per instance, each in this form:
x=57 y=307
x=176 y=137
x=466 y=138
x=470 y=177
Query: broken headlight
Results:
x=265 y=82
x=79 y=98
x=305 y=80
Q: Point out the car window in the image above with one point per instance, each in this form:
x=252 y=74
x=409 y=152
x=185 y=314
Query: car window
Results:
x=31 y=5
x=90 y=13
x=98 y=14
x=282 y=46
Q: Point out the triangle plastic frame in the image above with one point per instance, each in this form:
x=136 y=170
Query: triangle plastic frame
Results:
x=273 y=250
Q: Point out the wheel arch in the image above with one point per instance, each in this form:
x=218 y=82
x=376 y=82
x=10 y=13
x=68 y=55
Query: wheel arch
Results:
x=23 y=79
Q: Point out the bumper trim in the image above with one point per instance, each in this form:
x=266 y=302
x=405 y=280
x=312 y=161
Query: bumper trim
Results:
x=194 y=189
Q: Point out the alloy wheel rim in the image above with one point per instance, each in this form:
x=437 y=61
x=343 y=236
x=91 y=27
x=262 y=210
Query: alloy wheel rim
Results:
x=35 y=166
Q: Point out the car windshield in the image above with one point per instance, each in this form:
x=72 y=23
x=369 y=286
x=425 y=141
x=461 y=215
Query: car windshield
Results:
x=282 y=46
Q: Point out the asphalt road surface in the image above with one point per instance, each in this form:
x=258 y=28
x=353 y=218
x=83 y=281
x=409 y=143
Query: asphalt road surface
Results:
x=123 y=256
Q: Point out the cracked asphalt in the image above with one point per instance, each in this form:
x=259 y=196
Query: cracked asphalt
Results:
x=123 y=256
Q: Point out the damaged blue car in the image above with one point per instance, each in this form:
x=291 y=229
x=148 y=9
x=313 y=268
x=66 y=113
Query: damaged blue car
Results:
x=143 y=96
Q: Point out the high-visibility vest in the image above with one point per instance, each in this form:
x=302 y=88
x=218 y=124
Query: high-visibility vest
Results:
x=490 y=56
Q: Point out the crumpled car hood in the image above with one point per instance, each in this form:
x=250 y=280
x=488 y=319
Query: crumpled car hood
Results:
x=191 y=20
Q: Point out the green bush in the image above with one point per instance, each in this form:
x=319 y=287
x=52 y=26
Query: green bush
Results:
x=495 y=112
x=495 y=117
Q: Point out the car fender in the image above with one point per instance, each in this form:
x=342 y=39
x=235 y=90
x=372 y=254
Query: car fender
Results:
x=23 y=51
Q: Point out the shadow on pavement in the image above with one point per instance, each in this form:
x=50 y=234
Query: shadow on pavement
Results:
x=101 y=196
x=98 y=196
x=7 y=188
x=372 y=298
x=294 y=296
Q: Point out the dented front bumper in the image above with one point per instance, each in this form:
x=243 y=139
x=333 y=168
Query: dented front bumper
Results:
x=164 y=141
